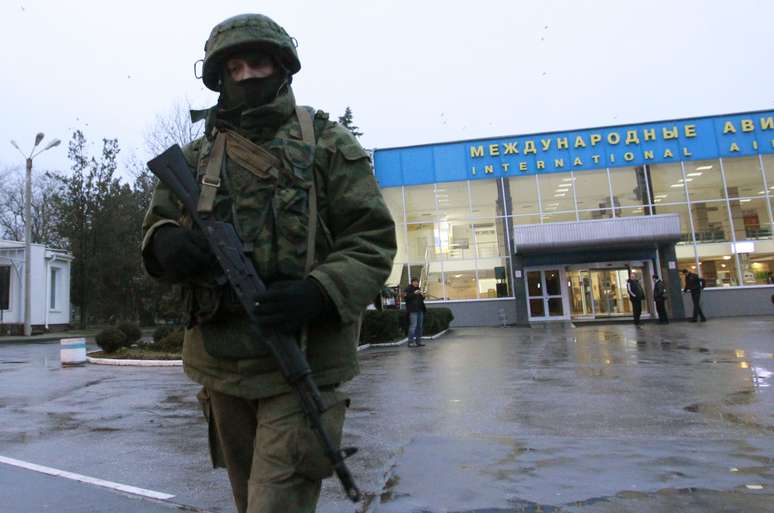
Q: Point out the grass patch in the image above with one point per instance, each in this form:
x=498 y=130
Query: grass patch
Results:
x=137 y=353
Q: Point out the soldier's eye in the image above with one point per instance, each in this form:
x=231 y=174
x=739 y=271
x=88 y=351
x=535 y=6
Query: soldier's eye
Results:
x=259 y=61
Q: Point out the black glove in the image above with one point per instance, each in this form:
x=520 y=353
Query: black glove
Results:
x=181 y=252
x=291 y=304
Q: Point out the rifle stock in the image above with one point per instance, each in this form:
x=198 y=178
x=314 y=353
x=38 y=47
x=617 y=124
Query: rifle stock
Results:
x=172 y=169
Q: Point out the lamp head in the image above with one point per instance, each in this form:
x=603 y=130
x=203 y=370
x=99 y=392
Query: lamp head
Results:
x=53 y=143
x=39 y=138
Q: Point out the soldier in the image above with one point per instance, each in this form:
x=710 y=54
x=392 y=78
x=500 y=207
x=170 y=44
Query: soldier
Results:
x=301 y=194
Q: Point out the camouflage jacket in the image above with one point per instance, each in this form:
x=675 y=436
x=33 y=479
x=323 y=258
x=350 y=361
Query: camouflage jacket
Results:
x=355 y=245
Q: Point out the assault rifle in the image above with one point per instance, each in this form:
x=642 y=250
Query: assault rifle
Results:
x=171 y=168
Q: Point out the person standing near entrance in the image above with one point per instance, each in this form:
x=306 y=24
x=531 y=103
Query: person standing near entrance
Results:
x=660 y=296
x=694 y=285
x=415 y=306
x=636 y=295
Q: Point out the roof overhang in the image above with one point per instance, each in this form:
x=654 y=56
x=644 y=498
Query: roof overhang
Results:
x=639 y=231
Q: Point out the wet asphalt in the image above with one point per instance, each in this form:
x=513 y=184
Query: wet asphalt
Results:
x=593 y=419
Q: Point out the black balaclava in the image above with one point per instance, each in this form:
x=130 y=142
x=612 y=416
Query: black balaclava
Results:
x=255 y=107
x=251 y=93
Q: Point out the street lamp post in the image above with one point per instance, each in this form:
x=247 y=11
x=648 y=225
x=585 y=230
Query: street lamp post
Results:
x=28 y=227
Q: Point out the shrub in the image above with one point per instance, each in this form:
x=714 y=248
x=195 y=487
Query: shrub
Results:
x=111 y=339
x=390 y=325
x=131 y=330
x=172 y=343
x=381 y=326
x=436 y=320
x=162 y=331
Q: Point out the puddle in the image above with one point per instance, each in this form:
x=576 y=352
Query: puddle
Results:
x=761 y=377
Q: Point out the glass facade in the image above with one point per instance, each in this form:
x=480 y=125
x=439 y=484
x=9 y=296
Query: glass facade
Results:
x=454 y=239
x=455 y=236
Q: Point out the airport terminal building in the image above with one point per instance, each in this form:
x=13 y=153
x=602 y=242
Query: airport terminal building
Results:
x=546 y=227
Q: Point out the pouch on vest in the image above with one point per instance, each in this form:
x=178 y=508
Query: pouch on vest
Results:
x=269 y=200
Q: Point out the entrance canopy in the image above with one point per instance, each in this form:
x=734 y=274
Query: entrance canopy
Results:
x=644 y=231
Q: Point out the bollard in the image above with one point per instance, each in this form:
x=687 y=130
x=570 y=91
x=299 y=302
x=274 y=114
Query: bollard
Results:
x=73 y=351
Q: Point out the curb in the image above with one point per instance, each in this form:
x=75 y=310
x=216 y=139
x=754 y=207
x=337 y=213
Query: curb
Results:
x=179 y=363
x=386 y=344
x=401 y=342
x=433 y=337
x=135 y=363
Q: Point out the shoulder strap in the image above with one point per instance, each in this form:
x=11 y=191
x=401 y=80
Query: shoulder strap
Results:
x=307 y=125
x=307 y=134
x=211 y=178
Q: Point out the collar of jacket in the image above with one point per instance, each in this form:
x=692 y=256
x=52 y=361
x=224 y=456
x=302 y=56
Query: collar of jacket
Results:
x=258 y=124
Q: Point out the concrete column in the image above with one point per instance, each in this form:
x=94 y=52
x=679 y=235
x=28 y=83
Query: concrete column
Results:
x=672 y=281
x=522 y=312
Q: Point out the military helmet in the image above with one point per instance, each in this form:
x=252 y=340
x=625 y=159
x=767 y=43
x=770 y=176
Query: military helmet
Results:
x=242 y=32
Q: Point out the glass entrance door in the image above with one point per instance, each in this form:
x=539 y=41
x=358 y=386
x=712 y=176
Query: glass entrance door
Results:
x=601 y=292
x=581 y=295
x=544 y=294
x=609 y=288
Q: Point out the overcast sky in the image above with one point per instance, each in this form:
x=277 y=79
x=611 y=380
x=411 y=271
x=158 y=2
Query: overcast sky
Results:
x=413 y=71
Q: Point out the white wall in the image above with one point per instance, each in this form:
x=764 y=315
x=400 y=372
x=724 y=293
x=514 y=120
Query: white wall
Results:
x=733 y=301
x=43 y=260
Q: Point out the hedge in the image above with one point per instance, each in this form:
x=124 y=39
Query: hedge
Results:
x=171 y=343
x=131 y=330
x=111 y=339
x=391 y=325
x=381 y=326
x=436 y=320
x=162 y=331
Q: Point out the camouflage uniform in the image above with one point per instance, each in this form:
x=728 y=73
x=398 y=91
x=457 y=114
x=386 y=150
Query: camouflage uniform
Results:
x=257 y=429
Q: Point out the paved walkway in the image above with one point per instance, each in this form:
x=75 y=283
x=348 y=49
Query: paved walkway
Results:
x=594 y=419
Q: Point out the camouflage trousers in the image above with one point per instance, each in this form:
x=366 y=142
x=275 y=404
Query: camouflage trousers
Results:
x=274 y=461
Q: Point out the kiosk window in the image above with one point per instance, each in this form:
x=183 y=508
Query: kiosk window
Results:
x=54 y=279
x=5 y=287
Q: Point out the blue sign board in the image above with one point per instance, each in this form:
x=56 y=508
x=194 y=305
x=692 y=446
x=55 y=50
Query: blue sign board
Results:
x=733 y=135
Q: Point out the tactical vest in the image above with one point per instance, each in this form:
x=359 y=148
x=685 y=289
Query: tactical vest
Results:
x=270 y=195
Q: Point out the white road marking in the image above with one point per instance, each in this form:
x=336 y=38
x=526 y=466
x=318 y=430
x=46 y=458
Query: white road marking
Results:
x=86 y=479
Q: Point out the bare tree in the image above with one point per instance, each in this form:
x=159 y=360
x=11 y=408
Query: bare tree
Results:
x=174 y=127
x=44 y=217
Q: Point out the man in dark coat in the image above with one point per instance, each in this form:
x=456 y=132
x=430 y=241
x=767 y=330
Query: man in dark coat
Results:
x=415 y=306
x=660 y=296
x=694 y=285
x=636 y=295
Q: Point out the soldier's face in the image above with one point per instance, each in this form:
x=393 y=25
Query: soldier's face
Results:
x=244 y=66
